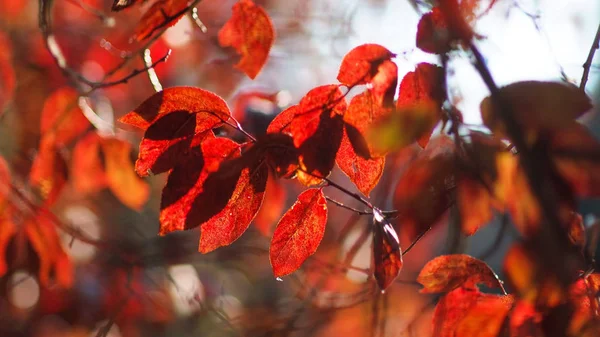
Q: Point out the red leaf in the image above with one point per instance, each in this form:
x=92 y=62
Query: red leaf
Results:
x=280 y=154
x=317 y=129
x=361 y=64
x=87 y=170
x=425 y=85
x=122 y=180
x=363 y=111
x=275 y=197
x=387 y=253
x=576 y=230
x=5 y=182
x=211 y=107
x=448 y=272
x=7 y=72
x=163 y=13
x=364 y=173
x=384 y=84
x=474 y=204
x=282 y=123
x=62 y=117
x=432 y=33
x=468 y=312
x=54 y=262
x=7 y=231
x=299 y=232
x=49 y=171
x=250 y=31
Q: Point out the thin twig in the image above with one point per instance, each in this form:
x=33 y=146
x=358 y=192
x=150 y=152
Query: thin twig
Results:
x=388 y=214
x=588 y=62
x=412 y=244
x=147 y=58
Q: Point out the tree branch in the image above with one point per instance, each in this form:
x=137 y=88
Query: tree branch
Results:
x=588 y=62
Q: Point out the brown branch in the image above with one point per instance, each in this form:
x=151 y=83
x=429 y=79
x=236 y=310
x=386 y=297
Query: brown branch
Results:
x=389 y=214
x=588 y=62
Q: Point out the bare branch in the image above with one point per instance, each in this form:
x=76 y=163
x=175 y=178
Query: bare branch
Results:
x=588 y=63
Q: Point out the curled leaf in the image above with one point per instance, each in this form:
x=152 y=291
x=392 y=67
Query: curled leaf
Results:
x=250 y=31
x=387 y=253
x=299 y=232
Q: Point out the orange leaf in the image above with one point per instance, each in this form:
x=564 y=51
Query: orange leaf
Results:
x=5 y=182
x=424 y=85
x=299 y=232
x=362 y=113
x=7 y=72
x=448 y=272
x=122 y=180
x=250 y=31
x=49 y=170
x=87 y=170
x=192 y=100
x=54 y=262
x=317 y=129
x=62 y=117
x=7 y=232
x=537 y=105
x=468 y=312
x=387 y=253
x=474 y=204
x=163 y=13
x=583 y=295
x=282 y=123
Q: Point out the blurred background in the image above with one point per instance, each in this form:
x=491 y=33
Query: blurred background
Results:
x=136 y=283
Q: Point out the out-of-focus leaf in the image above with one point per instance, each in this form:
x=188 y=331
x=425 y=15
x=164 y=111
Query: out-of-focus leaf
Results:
x=475 y=205
x=211 y=107
x=317 y=130
x=299 y=232
x=61 y=116
x=163 y=13
x=54 y=262
x=49 y=170
x=448 y=272
x=387 y=253
x=8 y=229
x=5 y=182
x=250 y=31
x=363 y=111
x=432 y=33
x=246 y=100
x=361 y=64
x=87 y=170
x=469 y=312
x=576 y=230
x=426 y=188
x=537 y=105
x=583 y=295
x=275 y=197
x=7 y=72
x=122 y=180
x=122 y=4
x=525 y=320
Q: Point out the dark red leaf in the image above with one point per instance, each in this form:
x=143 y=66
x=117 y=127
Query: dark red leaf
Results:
x=432 y=33
x=448 y=272
x=250 y=31
x=364 y=173
x=299 y=232
x=361 y=64
x=7 y=72
x=387 y=253
x=474 y=204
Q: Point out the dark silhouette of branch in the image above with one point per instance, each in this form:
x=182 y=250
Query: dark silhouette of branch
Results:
x=588 y=62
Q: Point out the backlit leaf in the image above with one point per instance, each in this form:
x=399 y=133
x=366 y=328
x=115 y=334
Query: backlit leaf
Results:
x=48 y=171
x=7 y=72
x=474 y=204
x=122 y=180
x=583 y=295
x=317 y=130
x=432 y=33
x=282 y=123
x=425 y=84
x=250 y=31
x=275 y=198
x=363 y=111
x=280 y=153
x=387 y=253
x=163 y=13
x=364 y=173
x=7 y=231
x=62 y=117
x=537 y=105
x=361 y=64
x=87 y=169
x=299 y=232
x=211 y=107
x=448 y=272
x=469 y=312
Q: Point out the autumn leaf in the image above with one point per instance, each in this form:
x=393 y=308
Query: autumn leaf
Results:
x=299 y=232
x=432 y=33
x=448 y=272
x=54 y=263
x=274 y=201
x=49 y=171
x=7 y=72
x=162 y=14
x=282 y=123
x=8 y=229
x=5 y=182
x=583 y=295
x=425 y=189
x=474 y=204
x=362 y=113
x=87 y=169
x=537 y=105
x=173 y=119
x=469 y=312
x=364 y=173
x=576 y=230
x=189 y=99
x=387 y=254
x=279 y=152
x=62 y=118
x=122 y=180
x=317 y=130
x=250 y=31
